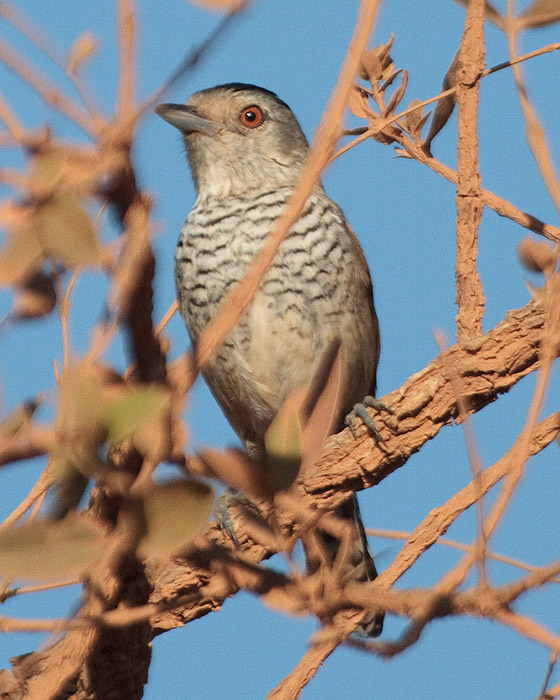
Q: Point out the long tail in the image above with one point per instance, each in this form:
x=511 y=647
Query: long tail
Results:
x=363 y=564
x=357 y=561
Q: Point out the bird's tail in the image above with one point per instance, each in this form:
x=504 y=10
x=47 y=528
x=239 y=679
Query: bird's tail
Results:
x=357 y=561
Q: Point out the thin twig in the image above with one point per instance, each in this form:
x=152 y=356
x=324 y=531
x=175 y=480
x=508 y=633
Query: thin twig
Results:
x=533 y=130
x=44 y=43
x=439 y=519
x=549 y=669
x=501 y=206
x=168 y=315
x=64 y=311
x=191 y=60
x=474 y=461
x=365 y=132
x=515 y=466
x=124 y=103
x=15 y=128
x=39 y=588
x=40 y=487
x=47 y=90
x=401 y=535
x=528 y=628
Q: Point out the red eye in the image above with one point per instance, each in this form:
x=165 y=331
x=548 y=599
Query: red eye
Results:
x=252 y=116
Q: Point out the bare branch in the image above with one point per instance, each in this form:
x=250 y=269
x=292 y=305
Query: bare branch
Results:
x=45 y=89
x=533 y=130
x=469 y=202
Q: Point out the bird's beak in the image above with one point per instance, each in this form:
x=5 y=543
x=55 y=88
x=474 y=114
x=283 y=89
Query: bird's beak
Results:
x=185 y=119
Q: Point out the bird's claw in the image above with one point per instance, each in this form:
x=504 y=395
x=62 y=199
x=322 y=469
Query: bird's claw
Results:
x=231 y=498
x=222 y=514
x=360 y=411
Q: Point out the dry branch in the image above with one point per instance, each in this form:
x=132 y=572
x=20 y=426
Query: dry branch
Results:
x=116 y=622
x=439 y=519
x=421 y=154
x=426 y=402
x=469 y=202
x=423 y=405
x=534 y=132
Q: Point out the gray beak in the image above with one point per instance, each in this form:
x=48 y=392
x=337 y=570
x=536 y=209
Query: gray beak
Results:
x=185 y=119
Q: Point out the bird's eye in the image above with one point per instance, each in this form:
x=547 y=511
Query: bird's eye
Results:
x=252 y=116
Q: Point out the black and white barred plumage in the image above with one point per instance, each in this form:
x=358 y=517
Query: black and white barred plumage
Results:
x=246 y=150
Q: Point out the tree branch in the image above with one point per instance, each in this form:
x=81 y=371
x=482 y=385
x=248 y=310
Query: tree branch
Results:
x=469 y=202
x=423 y=405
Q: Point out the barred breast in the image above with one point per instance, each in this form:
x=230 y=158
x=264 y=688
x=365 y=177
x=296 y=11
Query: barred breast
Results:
x=317 y=289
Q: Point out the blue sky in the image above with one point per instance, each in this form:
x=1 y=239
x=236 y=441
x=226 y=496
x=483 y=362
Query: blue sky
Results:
x=404 y=216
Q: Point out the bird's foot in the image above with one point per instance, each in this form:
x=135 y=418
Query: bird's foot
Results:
x=233 y=499
x=360 y=411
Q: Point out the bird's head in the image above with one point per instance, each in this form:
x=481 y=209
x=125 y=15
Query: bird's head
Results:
x=238 y=138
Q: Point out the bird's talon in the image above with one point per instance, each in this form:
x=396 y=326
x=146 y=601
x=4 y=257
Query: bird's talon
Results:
x=372 y=402
x=350 y=422
x=360 y=411
x=222 y=515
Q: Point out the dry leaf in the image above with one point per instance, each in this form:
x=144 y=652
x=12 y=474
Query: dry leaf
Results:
x=537 y=256
x=377 y=64
x=287 y=599
x=397 y=96
x=80 y=415
x=323 y=404
x=358 y=104
x=445 y=105
x=81 y=51
x=35 y=297
x=20 y=416
x=21 y=253
x=237 y=470
x=540 y=13
x=415 y=121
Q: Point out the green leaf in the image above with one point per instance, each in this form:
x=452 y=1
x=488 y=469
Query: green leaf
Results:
x=138 y=406
x=174 y=513
x=47 y=549
x=283 y=443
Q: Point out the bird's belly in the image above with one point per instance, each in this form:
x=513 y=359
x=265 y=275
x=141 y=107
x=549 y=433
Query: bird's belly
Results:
x=273 y=350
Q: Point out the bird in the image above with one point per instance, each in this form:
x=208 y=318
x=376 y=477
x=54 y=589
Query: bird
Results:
x=246 y=150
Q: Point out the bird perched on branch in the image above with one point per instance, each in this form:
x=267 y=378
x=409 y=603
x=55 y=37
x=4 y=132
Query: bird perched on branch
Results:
x=246 y=150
